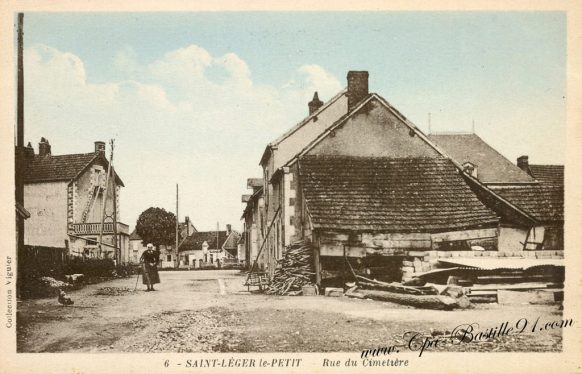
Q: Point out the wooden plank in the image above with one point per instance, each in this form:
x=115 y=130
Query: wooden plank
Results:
x=404 y=244
x=335 y=250
x=464 y=235
x=405 y=236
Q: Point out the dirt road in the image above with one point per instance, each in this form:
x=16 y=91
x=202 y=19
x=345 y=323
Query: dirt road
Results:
x=211 y=311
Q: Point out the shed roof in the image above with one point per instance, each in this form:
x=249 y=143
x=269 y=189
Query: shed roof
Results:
x=493 y=167
x=543 y=202
x=389 y=194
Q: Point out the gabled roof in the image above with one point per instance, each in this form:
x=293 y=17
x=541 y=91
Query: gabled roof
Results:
x=355 y=109
x=543 y=202
x=548 y=174
x=492 y=166
x=231 y=243
x=55 y=168
x=215 y=240
x=508 y=210
x=389 y=194
x=299 y=125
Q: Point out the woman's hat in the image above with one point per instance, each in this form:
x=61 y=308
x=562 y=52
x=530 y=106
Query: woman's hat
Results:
x=150 y=245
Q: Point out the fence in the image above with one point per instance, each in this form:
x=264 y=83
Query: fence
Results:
x=42 y=261
x=35 y=262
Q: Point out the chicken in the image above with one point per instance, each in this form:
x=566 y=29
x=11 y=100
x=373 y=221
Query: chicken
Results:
x=64 y=299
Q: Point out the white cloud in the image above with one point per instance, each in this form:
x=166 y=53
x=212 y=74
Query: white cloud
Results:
x=188 y=117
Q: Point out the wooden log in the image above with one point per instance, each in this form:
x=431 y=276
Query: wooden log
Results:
x=420 y=301
x=395 y=287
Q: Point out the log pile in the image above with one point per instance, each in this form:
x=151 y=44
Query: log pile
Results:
x=293 y=271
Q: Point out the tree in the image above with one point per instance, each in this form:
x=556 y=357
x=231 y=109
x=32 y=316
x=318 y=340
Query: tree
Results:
x=156 y=226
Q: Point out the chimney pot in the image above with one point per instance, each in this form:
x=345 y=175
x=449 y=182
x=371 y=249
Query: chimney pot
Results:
x=228 y=229
x=357 y=87
x=99 y=146
x=44 y=147
x=29 y=151
x=314 y=104
x=523 y=163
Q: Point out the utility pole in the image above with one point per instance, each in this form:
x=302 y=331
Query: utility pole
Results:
x=105 y=196
x=117 y=249
x=19 y=156
x=177 y=228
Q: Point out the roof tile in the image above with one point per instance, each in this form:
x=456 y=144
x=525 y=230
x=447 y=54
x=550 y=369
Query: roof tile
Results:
x=389 y=194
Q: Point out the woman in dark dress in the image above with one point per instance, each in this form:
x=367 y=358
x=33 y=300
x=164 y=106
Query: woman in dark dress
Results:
x=149 y=260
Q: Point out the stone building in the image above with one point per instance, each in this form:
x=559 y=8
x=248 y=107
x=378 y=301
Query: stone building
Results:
x=360 y=181
x=205 y=249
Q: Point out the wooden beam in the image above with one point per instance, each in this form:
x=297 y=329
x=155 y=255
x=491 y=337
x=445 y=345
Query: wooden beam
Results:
x=464 y=235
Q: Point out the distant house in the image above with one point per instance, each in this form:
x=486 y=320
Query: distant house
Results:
x=168 y=256
x=64 y=195
x=209 y=248
x=136 y=247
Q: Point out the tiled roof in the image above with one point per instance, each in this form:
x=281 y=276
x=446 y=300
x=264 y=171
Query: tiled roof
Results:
x=543 y=202
x=195 y=241
x=134 y=235
x=550 y=174
x=491 y=165
x=53 y=168
x=231 y=244
x=389 y=194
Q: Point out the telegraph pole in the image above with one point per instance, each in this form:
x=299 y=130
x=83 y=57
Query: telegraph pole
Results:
x=19 y=156
x=177 y=228
x=104 y=196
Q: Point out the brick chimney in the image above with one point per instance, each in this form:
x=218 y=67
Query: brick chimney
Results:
x=357 y=87
x=523 y=163
x=187 y=221
x=314 y=104
x=99 y=146
x=29 y=151
x=44 y=148
x=228 y=229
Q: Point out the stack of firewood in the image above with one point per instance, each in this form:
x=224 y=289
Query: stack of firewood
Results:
x=293 y=271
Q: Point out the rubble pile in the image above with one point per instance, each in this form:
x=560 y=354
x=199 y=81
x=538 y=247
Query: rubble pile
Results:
x=293 y=271
x=53 y=283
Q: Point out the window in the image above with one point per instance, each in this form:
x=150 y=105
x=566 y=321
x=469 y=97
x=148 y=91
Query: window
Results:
x=91 y=241
x=211 y=258
x=169 y=258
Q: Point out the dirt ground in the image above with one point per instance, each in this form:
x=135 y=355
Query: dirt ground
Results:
x=211 y=311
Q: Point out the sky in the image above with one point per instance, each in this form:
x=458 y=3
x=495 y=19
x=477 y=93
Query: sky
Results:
x=194 y=98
